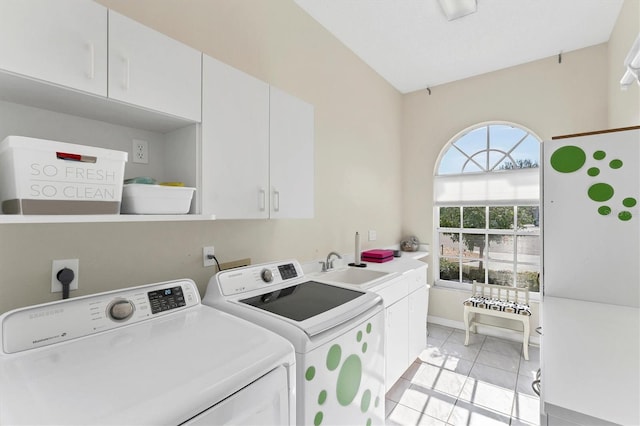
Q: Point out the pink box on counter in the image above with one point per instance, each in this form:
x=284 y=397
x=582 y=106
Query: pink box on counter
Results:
x=377 y=255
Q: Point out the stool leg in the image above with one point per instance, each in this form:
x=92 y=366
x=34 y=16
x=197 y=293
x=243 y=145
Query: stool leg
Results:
x=525 y=338
x=466 y=325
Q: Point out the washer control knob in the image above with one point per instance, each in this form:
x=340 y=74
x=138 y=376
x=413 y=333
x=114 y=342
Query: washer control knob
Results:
x=266 y=275
x=120 y=310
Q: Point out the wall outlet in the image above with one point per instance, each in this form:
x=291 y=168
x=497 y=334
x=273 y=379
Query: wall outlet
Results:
x=206 y=252
x=373 y=235
x=140 y=151
x=57 y=265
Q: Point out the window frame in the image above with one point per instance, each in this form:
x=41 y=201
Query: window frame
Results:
x=486 y=231
x=489 y=169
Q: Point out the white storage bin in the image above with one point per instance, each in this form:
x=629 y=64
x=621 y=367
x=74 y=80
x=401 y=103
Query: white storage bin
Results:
x=138 y=198
x=39 y=176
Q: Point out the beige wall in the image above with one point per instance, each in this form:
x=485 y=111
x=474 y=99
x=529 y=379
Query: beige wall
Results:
x=357 y=149
x=624 y=105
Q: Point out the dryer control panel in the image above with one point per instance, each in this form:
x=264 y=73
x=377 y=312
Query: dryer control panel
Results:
x=55 y=322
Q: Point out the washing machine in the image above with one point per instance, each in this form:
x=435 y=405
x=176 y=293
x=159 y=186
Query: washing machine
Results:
x=147 y=355
x=337 y=333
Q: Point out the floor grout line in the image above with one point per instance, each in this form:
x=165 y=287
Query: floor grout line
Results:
x=511 y=391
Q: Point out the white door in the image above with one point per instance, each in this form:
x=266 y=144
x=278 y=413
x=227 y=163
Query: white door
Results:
x=396 y=341
x=151 y=70
x=291 y=156
x=235 y=143
x=62 y=42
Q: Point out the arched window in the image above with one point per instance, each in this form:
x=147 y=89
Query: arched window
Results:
x=487 y=204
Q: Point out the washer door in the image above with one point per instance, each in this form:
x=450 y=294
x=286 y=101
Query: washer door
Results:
x=263 y=402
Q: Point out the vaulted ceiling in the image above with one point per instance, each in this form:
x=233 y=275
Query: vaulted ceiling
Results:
x=412 y=45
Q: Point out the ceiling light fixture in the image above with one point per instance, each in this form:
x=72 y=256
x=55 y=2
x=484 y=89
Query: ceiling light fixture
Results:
x=632 y=65
x=455 y=9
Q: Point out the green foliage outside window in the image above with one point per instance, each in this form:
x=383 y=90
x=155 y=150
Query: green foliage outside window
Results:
x=471 y=262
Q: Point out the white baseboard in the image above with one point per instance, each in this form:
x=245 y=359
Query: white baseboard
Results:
x=488 y=330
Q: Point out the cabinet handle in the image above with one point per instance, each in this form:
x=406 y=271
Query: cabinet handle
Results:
x=125 y=80
x=92 y=58
x=276 y=200
x=262 y=199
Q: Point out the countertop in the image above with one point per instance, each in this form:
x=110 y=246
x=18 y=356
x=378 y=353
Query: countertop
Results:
x=408 y=261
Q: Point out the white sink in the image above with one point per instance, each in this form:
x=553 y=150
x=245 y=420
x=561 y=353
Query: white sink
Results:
x=356 y=276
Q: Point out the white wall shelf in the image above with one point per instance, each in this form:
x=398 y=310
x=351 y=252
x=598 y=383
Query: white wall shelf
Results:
x=102 y=218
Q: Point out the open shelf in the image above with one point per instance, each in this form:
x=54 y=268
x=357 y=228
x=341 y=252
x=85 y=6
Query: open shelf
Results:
x=102 y=218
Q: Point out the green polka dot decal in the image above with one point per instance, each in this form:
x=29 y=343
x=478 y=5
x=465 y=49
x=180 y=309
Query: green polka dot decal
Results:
x=311 y=373
x=600 y=192
x=624 y=216
x=569 y=159
x=593 y=171
x=349 y=380
x=347 y=369
x=333 y=357
x=366 y=400
x=615 y=164
x=604 y=210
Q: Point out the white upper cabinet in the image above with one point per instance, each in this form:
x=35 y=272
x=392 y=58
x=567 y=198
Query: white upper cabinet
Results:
x=235 y=143
x=151 y=70
x=291 y=138
x=257 y=148
x=62 y=42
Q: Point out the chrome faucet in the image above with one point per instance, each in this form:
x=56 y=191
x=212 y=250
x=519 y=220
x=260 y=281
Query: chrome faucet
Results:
x=329 y=261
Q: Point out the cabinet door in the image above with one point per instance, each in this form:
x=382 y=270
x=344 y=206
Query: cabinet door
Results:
x=62 y=42
x=396 y=341
x=291 y=135
x=418 y=301
x=235 y=143
x=151 y=70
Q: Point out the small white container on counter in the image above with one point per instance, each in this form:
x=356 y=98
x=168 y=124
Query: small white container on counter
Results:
x=138 y=198
x=39 y=176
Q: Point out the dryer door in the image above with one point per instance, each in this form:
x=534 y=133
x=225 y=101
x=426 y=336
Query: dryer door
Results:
x=263 y=402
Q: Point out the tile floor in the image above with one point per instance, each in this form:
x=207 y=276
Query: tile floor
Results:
x=485 y=383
